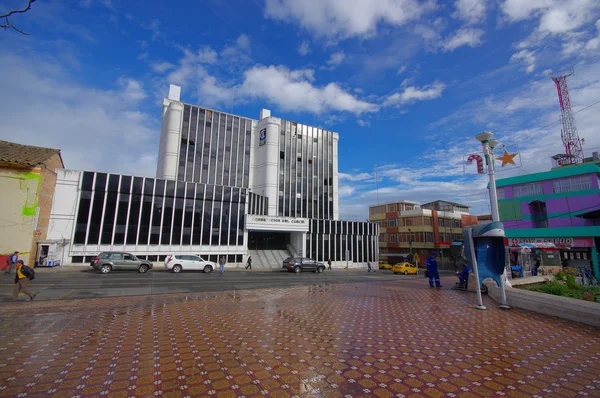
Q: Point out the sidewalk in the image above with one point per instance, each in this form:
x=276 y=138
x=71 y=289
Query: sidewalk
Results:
x=377 y=339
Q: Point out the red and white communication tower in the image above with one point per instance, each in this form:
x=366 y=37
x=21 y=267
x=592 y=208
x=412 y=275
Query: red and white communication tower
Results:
x=570 y=137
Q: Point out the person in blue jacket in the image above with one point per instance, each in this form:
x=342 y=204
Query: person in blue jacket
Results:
x=432 y=270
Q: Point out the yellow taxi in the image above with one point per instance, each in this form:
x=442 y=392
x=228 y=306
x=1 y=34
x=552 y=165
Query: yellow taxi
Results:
x=405 y=268
x=384 y=265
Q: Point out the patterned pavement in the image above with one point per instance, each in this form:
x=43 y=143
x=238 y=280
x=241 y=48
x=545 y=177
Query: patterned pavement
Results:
x=378 y=339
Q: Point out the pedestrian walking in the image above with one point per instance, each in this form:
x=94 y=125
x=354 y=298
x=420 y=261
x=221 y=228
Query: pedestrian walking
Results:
x=22 y=279
x=249 y=263
x=432 y=270
x=222 y=264
x=11 y=261
x=369 y=269
x=329 y=264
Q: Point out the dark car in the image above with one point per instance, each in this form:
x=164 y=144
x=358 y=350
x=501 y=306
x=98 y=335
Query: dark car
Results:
x=119 y=261
x=299 y=264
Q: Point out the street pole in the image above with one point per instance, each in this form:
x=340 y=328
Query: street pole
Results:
x=488 y=151
x=480 y=305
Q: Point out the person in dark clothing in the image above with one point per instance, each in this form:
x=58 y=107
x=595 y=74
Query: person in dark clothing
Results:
x=249 y=263
x=432 y=270
x=536 y=266
x=369 y=269
x=329 y=264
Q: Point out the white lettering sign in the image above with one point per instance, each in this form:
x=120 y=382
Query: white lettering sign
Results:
x=277 y=220
x=515 y=242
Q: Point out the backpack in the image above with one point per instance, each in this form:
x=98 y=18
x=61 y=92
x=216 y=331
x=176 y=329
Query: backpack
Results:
x=28 y=272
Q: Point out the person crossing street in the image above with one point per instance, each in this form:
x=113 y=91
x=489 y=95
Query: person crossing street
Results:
x=432 y=270
x=21 y=282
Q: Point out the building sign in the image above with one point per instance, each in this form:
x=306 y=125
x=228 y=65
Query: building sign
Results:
x=277 y=220
x=262 y=137
x=558 y=242
x=274 y=223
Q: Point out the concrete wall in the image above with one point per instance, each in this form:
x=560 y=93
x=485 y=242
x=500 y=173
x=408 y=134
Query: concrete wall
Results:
x=563 y=307
x=26 y=201
x=63 y=212
x=19 y=210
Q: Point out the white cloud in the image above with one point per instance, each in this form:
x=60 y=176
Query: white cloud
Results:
x=162 y=67
x=44 y=106
x=555 y=16
x=294 y=91
x=354 y=177
x=206 y=55
x=414 y=94
x=304 y=48
x=335 y=60
x=401 y=70
x=527 y=57
x=363 y=123
x=340 y=19
x=132 y=90
x=471 y=11
x=463 y=37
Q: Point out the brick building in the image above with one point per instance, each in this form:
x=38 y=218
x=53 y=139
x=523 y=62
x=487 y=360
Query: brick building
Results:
x=408 y=227
x=27 y=181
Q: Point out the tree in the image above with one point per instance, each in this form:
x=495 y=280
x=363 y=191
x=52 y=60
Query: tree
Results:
x=7 y=24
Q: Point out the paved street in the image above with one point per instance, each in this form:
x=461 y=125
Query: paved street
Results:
x=383 y=338
x=79 y=282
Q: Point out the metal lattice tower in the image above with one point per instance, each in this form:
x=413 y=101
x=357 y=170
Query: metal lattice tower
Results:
x=569 y=134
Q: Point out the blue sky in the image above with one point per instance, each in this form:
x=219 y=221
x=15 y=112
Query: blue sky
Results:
x=407 y=84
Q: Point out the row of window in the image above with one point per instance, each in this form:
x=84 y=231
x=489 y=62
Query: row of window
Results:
x=343 y=227
x=351 y=248
x=569 y=184
x=305 y=188
x=115 y=210
x=418 y=221
x=393 y=207
x=214 y=148
x=258 y=204
x=231 y=258
x=419 y=237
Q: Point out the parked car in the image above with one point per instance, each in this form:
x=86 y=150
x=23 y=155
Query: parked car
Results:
x=384 y=265
x=119 y=261
x=299 y=264
x=180 y=262
x=405 y=268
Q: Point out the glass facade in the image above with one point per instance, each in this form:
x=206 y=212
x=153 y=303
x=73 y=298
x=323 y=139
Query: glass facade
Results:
x=305 y=171
x=214 y=148
x=122 y=211
x=331 y=239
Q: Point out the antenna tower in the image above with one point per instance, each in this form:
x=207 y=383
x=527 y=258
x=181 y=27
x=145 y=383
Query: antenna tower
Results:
x=569 y=135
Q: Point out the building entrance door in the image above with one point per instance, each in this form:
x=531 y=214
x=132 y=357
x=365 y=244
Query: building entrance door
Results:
x=259 y=240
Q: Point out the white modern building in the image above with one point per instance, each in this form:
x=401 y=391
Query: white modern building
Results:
x=225 y=185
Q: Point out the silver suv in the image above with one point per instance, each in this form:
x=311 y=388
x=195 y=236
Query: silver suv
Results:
x=119 y=261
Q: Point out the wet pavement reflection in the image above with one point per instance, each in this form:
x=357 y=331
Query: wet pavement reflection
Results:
x=385 y=339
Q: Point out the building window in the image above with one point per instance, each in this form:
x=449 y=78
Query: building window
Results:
x=571 y=184
x=499 y=195
x=533 y=189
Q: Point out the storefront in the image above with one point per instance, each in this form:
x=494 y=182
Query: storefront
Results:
x=552 y=254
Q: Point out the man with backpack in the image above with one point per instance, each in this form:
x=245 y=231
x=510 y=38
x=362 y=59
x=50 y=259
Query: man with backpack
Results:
x=23 y=275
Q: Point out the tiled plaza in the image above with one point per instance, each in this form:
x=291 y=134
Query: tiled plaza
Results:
x=384 y=339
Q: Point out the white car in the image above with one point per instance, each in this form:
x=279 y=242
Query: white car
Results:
x=180 y=262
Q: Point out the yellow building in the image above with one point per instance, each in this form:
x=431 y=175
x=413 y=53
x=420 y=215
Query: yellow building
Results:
x=27 y=181
x=408 y=228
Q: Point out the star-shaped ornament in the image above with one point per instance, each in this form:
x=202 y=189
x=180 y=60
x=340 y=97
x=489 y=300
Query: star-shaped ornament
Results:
x=507 y=158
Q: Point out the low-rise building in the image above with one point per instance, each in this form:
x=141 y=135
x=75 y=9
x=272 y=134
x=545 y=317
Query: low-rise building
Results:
x=27 y=181
x=557 y=209
x=408 y=228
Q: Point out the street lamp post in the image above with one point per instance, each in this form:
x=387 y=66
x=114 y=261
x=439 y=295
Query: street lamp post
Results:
x=488 y=151
x=410 y=244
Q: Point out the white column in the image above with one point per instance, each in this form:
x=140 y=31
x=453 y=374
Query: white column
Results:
x=170 y=136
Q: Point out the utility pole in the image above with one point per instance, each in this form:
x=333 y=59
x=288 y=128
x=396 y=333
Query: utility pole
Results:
x=376 y=184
